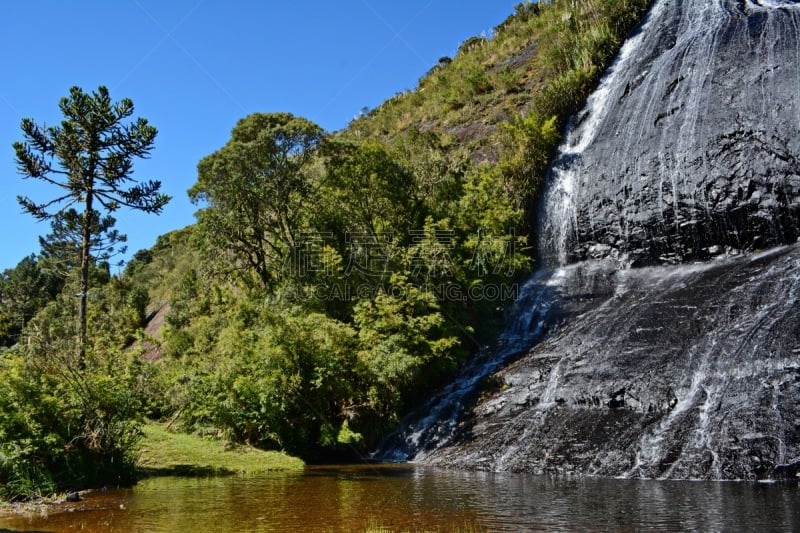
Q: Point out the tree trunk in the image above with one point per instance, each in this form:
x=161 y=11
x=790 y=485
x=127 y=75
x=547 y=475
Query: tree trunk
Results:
x=83 y=293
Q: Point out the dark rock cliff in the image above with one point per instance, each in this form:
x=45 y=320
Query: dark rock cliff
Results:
x=688 y=151
x=695 y=148
x=675 y=372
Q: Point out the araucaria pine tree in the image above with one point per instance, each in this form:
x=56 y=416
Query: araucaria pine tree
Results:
x=88 y=159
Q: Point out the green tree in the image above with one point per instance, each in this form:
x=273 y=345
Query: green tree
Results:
x=88 y=158
x=61 y=248
x=437 y=165
x=24 y=290
x=367 y=191
x=62 y=428
x=256 y=189
x=368 y=208
x=406 y=344
x=527 y=145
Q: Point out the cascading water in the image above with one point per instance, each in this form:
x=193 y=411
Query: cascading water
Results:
x=559 y=225
x=687 y=151
x=689 y=147
x=435 y=424
x=681 y=372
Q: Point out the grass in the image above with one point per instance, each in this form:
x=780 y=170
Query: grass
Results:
x=545 y=59
x=162 y=452
x=165 y=453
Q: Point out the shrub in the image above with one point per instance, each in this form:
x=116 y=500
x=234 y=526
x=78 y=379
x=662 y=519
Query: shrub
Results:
x=61 y=429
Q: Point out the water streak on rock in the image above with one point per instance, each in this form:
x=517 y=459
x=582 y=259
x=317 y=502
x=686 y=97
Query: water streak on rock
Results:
x=688 y=151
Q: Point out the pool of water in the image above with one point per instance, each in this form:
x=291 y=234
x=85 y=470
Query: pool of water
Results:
x=408 y=498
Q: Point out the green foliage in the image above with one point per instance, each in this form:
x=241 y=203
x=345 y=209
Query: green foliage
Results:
x=527 y=144
x=24 y=290
x=269 y=376
x=161 y=269
x=88 y=160
x=437 y=166
x=61 y=426
x=366 y=191
x=255 y=189
x=137 y=299
x=138 y=262
x=508 y=79
x=284 y=378
x=64 y=425
x=94 y=149
x=405 y=344
x=331 y=281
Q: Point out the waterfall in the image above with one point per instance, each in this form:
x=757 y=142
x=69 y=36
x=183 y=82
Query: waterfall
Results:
x=656 y=342
x=688 y=371
x=659 y=166
x=433 y=426
x=559 y=225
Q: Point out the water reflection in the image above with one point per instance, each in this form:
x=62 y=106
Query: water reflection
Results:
x=404 y=498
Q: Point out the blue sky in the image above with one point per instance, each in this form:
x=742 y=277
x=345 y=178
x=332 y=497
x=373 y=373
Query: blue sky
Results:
x=193 y=68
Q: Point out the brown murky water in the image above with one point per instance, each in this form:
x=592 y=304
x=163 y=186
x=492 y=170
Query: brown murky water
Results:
x=405 y=498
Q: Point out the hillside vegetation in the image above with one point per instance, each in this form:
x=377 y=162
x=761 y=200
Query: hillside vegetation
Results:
x=331 y=280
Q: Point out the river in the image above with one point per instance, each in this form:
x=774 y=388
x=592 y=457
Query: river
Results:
x=409 y=498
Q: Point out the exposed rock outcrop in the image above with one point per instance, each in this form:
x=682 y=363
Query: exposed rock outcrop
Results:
x=688 y=150
x=693 y=147
x=681 y=372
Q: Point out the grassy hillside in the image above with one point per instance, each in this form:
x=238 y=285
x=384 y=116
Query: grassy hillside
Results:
x=543 y=59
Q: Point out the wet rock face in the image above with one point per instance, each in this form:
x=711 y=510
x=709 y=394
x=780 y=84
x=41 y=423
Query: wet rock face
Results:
x=688 y=150
x=696 y=148
x=683 y=372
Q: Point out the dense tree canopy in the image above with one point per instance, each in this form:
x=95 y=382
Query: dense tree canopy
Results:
x=24 y=290
x=255 y=189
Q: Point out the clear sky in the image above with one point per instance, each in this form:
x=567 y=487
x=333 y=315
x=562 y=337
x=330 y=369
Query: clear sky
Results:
x=193 y=68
